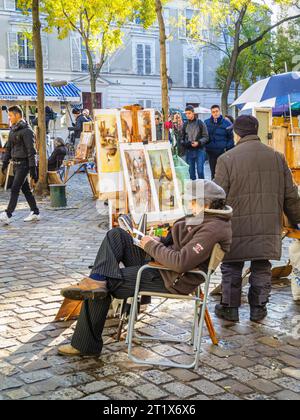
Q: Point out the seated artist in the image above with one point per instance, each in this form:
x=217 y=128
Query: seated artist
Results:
x=55 y=161
x=189 y=245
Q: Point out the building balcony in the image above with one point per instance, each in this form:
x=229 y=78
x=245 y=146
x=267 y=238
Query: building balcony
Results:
x=26 y=64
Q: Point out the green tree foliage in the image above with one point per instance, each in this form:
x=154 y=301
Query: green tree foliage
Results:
x=241 y=24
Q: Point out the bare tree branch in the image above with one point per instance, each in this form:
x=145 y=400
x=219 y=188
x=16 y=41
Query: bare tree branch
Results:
x=251 y=42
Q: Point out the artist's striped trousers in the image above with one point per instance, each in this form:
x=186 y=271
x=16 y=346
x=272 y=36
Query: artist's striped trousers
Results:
x=116 y=248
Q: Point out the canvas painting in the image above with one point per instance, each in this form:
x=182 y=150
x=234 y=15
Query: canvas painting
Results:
x=146 y=125
x=126 y=125
x=164 y=175
x=4 y=134
x=87 y=139
x=108 y=131
x=139 y=185
x=81 y=152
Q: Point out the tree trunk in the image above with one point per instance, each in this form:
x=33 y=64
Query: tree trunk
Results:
x=233 y=60
x=163 y=64
x=229 y=79
x=236 y=95
x=42 y=186
x=93 y=82
x=93 y=76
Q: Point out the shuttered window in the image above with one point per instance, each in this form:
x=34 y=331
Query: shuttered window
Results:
x=143 y=59
x=10 y=5
x=26 y=53
x=193 y=72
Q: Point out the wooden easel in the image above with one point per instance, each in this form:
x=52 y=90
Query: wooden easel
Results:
x=136 y=138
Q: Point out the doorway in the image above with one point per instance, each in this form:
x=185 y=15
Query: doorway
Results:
x=87 y=100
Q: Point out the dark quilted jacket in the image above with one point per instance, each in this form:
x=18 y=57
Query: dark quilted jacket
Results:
x=260 y=188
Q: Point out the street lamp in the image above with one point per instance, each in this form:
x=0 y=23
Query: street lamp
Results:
x=60 y=84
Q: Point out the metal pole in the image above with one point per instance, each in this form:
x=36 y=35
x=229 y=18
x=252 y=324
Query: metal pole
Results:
x=290 y=105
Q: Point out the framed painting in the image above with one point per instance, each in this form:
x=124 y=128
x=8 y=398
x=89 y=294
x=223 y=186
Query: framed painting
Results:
x=108 y=134
x=139 y=183
x=107 y=137
x=146 y=125
x=4 y=134
x=126 y=126
x=165 y=180
x=81 y=152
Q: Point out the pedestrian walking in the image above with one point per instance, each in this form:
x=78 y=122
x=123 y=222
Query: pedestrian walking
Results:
x=220 y=137
x=20 y=149
x=259 y=187
x=194 y=139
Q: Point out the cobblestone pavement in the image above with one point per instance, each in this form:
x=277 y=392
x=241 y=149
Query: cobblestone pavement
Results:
x=36 y=261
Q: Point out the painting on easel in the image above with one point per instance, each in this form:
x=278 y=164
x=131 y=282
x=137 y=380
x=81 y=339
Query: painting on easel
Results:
x=139 y=185
x=146 y=125
x=108 y=134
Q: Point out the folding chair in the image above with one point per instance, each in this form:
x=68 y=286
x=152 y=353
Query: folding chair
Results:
x=200 y=312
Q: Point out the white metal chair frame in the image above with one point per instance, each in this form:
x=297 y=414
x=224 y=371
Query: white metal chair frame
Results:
x=199 y=313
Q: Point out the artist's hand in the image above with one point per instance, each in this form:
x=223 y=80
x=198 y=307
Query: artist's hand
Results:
x=151 y=234
x=195 y=144
x=145 y=240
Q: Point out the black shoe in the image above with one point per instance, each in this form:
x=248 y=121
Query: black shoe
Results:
x=258 y=313
x=227 y=313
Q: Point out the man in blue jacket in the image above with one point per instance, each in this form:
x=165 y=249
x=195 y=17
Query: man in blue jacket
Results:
x=194 y=139
x=220 y=137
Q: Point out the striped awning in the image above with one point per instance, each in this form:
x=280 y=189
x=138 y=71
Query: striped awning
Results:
x=24 y=91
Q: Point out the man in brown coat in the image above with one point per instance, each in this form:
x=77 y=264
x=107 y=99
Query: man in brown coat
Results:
x=189 y=245
x=259 y=188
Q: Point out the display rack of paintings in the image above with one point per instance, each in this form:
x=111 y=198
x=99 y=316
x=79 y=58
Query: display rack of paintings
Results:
x=131 y=160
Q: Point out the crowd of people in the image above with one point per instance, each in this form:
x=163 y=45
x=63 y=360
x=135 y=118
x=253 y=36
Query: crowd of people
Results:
x=198 y=141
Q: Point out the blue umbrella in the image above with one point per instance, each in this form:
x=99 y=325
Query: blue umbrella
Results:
x=280 y=85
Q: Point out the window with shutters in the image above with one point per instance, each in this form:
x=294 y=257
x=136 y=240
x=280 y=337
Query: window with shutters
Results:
x=193 y=72
x=13 y=54
x=84 y=58
x=26 y=53
x=184 y=18
x=188 y=18
x=76 y=53
x=144 y=59
x=10 y=5
x=21 y=52
x=145 y=103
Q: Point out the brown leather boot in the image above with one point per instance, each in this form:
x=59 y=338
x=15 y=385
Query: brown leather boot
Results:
x=86 y=289
x=68 y=350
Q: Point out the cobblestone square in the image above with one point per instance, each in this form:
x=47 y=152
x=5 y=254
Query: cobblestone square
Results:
x=253 y=361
